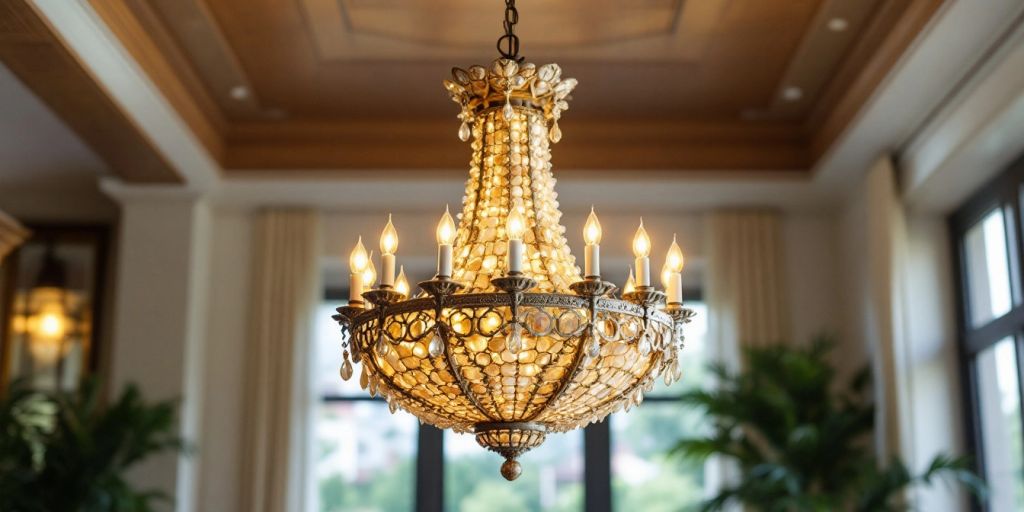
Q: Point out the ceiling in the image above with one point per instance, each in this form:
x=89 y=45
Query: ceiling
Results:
x=673 y=85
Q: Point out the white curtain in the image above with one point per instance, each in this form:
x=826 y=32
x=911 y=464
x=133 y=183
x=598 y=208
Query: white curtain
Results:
x=746 y=293
x=285 y=286
x=12 y=234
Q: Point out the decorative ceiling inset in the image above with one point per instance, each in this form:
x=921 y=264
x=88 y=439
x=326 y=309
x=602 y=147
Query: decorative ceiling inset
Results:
x=660 y=30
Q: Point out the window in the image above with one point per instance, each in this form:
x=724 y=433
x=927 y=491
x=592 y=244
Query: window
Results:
x=987 y=236
x=397 y=465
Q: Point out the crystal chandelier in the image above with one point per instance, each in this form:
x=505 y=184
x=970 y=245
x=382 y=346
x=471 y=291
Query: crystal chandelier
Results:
x=508 y=341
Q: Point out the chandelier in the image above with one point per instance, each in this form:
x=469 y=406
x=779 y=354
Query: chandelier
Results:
x=508 y=341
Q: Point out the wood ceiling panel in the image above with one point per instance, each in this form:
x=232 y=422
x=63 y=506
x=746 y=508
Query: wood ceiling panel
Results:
x=685 y=84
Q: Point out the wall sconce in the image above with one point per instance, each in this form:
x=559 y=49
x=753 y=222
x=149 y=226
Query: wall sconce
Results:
x=50 y=296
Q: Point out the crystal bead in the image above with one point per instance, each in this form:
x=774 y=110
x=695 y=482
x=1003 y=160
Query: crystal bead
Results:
x=464 y=132
x=436 y=346
x=507 y=112
x=382 y=346
x=515 y=339
x=346 y=370
x=595 y=347
x=392 y=405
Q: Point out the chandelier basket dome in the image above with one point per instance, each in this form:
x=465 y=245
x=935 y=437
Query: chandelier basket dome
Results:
x=510 y=341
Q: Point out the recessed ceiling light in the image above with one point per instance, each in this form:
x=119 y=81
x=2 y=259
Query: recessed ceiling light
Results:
x=239 y=92
x=792 y=93
x=838 y=24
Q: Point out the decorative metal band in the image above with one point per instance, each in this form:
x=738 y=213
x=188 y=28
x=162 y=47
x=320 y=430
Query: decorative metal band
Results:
x=513 y=425
x=484 y=300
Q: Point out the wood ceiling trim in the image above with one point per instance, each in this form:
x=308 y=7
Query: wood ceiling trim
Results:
x=587 y=145
x=892 y=30
x=36 y=54
x=152 y=47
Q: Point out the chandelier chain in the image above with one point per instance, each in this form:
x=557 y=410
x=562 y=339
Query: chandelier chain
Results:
x=508 y=44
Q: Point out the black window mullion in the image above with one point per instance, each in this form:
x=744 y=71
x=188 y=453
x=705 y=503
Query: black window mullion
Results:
x=430 y=469
x=597 y=467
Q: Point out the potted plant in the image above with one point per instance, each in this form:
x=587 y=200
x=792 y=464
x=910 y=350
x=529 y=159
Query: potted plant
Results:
x=802 y=442
x=68 y=451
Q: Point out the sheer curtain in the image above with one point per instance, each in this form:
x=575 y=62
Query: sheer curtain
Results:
x=12 y=234
x=746 y=294
x=285 y=288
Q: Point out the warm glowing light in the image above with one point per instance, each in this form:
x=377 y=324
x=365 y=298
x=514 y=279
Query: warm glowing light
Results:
x=630 y=286
x=641 y=242
x=674 y=260
x=515 y=225
x=370 y=272
x=446 y=229
x=402 y=282
x=666 y=275
x=358 y=260
x=592 y=229
x=389 y=238
x=51 y=324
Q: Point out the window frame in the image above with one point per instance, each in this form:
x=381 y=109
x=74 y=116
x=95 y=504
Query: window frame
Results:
x=429 y=477
x=1003 y=193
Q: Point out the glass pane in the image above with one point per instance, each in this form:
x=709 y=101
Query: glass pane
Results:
x=327 y=356
x=365 y=457
x=693 y=356
x=643 y=476
x=552 y=478
x=988 y=270
x=999 y=403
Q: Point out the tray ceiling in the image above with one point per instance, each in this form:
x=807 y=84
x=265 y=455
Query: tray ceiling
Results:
x=664 y=84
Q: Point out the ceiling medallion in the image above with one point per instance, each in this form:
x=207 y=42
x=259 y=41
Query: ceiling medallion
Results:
x=508 y=341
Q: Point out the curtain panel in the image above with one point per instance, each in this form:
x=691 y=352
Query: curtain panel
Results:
x=746 y=294
x=285 y=288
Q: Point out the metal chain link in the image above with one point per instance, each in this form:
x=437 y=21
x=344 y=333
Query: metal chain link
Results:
x=508 y=44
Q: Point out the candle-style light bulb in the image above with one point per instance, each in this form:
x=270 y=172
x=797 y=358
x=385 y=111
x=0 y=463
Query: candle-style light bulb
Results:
x=674 y=260
x=592 y=254
x=357 y=261
x=630 y=286
x=388 y=246
x=641 y=242
x=592 y=229
x=642 y=251
x=389 y=238
x=515 y=225
x=402 y=282
x=370 y=272
x=358 y=258
x=446 y=229
x=445 y=237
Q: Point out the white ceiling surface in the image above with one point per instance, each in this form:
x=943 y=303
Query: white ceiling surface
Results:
x=46 y=172
x=36 y=148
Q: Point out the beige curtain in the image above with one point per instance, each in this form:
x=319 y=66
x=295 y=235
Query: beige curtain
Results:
x=285 y=285
x=12 y=234
x=746 y=292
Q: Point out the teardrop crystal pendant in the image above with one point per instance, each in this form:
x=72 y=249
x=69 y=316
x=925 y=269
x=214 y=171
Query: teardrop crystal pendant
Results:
x=346 y=370
x=382 y=346
x=392 y=405
x=514 y=343
x=436 y=346
x=464 y=132
x=364 y=378
x=555 y=133
x=507 y=112
x=594 y=349
x=644 y=344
